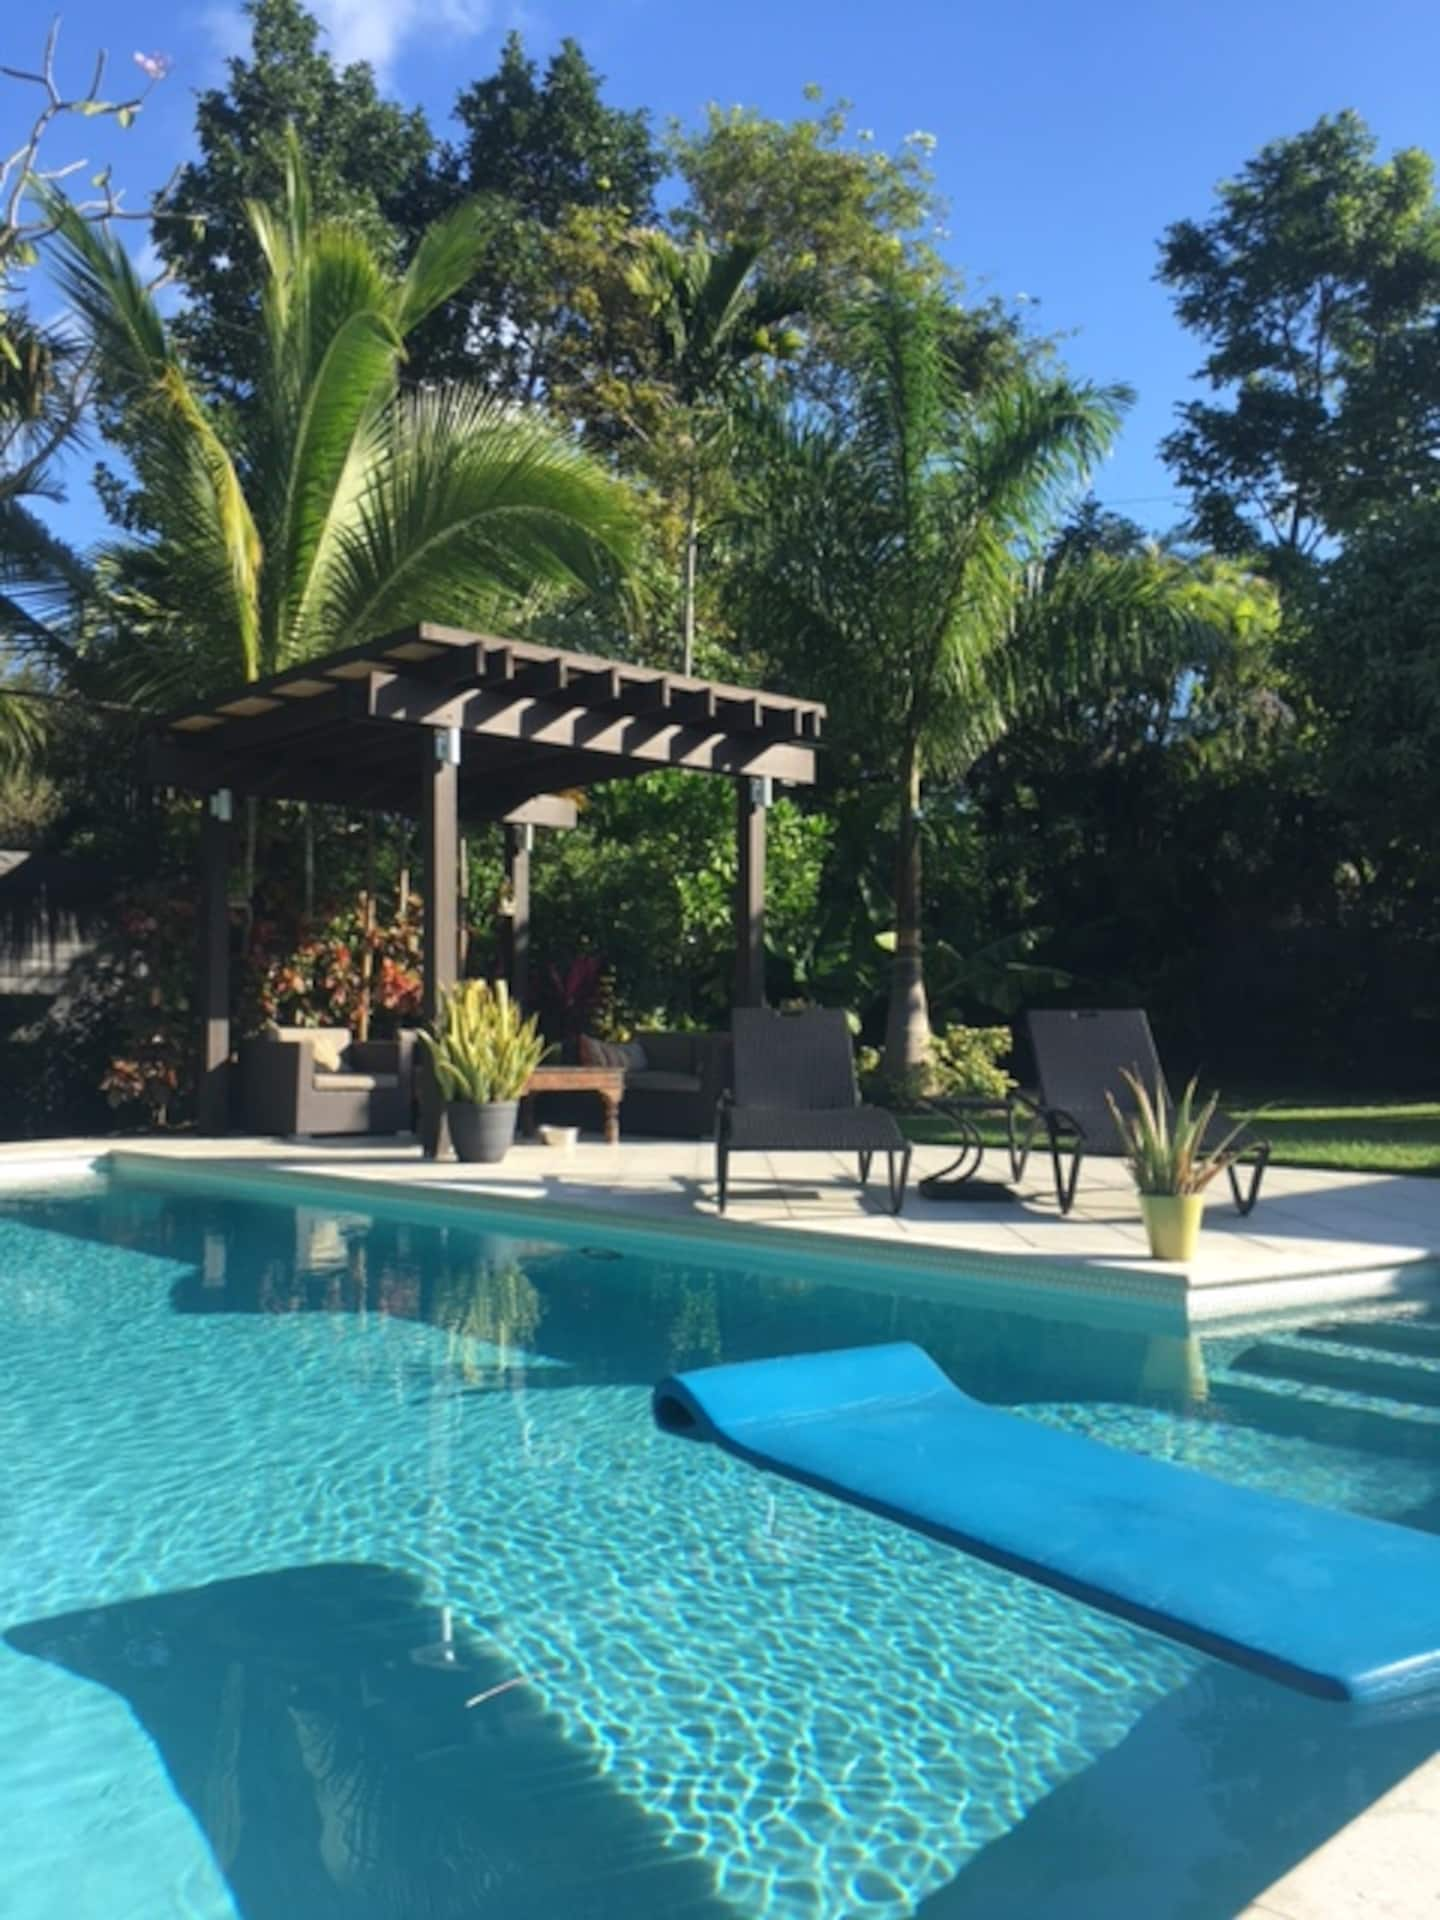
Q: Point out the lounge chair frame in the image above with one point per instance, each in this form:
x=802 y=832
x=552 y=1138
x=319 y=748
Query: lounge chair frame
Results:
x=795 y=1092
x=1067 y=1135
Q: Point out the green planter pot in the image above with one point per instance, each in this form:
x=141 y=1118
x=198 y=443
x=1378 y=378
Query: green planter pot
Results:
x=1172 y=1221
x=482 y=1133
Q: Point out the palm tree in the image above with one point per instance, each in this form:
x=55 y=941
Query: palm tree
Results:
x=897 y=550
x=334 y=505
x=711 y=318
x=42 y=581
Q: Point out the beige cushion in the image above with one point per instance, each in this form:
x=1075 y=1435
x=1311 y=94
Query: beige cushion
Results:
x=328 y=1045
x=356 y=1082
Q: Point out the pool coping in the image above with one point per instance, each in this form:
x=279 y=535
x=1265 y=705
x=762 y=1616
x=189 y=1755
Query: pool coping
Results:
x=1162 y=1294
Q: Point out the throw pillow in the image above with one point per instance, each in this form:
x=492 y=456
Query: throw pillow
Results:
x=628 y=1055
x=326 y=1052
x=327 y=1045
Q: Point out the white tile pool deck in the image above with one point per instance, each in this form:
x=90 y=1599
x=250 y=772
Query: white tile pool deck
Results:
x=1315 y=1236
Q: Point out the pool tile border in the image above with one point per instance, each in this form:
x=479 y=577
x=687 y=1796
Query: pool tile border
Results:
x=1157 y=1289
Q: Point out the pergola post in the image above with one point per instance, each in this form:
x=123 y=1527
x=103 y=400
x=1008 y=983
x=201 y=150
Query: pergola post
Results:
x=440 y=853
x=212 y=1098
x=519 y=841
x=752 y=799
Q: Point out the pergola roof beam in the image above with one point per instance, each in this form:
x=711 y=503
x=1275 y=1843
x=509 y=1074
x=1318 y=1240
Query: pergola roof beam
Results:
x=444 y=656
x=654 y=738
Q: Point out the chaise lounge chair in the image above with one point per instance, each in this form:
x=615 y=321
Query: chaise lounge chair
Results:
x=1079 y=1058
x=794 y=1092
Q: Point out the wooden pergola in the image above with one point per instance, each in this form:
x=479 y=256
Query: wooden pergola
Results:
x=455 y=727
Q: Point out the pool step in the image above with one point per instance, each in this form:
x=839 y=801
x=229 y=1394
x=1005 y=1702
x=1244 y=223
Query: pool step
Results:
x=1374 y=1372
x=1415 y=1336
x=1334 y=1416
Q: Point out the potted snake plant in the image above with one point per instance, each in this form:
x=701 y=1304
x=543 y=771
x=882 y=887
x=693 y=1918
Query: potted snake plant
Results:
x=1170 y=1162
x=483 y=1052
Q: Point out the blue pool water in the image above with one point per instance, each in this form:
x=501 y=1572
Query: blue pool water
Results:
x=344 y=1578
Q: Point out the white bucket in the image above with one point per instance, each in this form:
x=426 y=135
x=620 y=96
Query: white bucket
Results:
x=562 y=1139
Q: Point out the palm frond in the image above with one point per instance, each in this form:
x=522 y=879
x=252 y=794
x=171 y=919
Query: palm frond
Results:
x=195 y=487
x=465 y=504
x=1029 y=447
x=332 y=354
x=450 y=249
x=45 y=588
x=24 y=729
x=101 y=283
x=1097 y=622
x=206 y=488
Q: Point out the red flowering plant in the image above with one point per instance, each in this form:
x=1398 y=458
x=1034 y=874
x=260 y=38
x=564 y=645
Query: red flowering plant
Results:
x=576 y=998
x=145 y=970
x=326 y=976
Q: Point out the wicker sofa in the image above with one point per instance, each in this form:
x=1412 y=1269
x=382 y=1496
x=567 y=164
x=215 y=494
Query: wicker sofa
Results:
x=303 y=1080
x=674 y=1094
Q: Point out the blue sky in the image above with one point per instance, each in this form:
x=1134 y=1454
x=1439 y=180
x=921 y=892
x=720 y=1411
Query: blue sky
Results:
x=1068 y=135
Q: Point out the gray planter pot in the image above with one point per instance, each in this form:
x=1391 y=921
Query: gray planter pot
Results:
x=482 y=1133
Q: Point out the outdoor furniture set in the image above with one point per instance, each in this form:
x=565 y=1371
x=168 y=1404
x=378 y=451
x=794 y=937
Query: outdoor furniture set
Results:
x=778 y=1084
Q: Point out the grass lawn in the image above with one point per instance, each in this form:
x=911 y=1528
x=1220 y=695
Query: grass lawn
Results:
x=1365 y=1135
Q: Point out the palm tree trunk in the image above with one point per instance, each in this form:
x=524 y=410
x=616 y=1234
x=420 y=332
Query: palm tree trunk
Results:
x=692 y=555
x=907 y=1022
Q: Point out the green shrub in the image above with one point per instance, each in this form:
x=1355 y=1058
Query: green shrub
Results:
x=964 y=1062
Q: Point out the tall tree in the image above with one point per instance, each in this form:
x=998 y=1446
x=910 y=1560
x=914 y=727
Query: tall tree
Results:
x=1369 y=658
x=1316 y=284
x=822 y=198
x=541 y=149
x=367 y=159
x=345 y=507
x=827 y=206
x=711 y=319
x=899 y=551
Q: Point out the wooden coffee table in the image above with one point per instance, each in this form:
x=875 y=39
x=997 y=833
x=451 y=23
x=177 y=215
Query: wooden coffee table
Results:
x=606 y=1083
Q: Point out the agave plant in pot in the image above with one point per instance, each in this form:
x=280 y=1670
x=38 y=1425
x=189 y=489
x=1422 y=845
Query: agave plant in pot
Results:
x=1171 y=1161
x=483 y=1052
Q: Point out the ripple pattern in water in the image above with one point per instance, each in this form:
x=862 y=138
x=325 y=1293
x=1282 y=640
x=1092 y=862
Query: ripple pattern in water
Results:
x=828 y=1715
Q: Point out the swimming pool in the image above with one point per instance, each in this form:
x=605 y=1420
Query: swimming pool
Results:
x=344 y=1577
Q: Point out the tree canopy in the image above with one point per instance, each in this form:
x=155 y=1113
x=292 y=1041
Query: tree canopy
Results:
x=541 y=150
x=718 y=397
x=365 y=156
x=1315 y=283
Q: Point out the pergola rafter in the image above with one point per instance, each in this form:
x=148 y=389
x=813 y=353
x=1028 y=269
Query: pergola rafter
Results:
x=454 y=726
x=533 y=719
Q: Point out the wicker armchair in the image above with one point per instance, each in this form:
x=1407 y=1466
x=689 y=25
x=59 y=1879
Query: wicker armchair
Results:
x=303 y=1080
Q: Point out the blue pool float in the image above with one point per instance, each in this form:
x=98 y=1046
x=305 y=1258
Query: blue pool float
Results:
x=1331 y=1603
